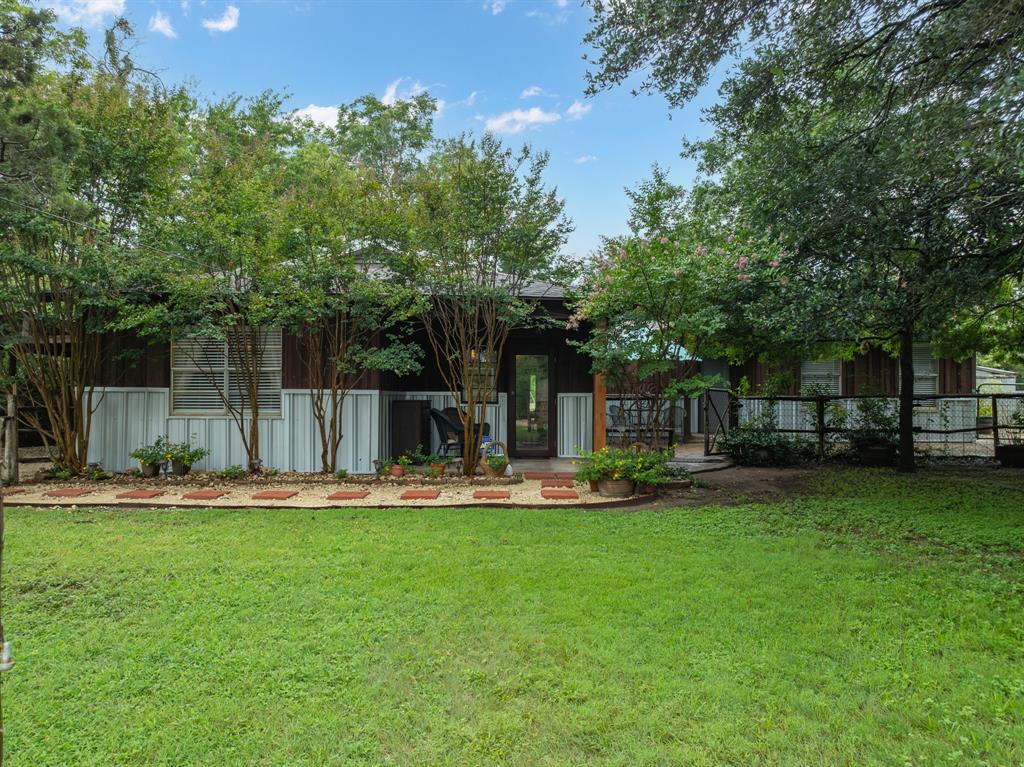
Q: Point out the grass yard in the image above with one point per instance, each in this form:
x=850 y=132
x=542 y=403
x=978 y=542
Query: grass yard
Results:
x=877 y=620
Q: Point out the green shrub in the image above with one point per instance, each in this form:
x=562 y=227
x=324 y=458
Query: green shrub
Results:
x=877 y=423
x=341 y=474
x=232 y=472
x=155 y=454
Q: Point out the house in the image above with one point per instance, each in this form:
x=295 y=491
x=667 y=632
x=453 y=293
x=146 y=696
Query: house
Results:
x=548 y=402
x=543 y=407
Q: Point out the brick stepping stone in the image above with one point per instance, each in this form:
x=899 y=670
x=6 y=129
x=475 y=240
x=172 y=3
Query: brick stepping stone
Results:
x=68 y=492
x=348 y=495
x=274 y=495
x=140 y=494
x=565 y=475
x=559 y=495
x=204 y=495
x=491 y=495
x=11 y=490
x=557 y=483
x=421 y=495
x=539 y=475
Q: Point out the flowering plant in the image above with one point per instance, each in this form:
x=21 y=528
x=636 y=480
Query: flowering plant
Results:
x=152 y=455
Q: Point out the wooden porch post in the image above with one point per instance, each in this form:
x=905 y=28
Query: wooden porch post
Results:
x=600 y=414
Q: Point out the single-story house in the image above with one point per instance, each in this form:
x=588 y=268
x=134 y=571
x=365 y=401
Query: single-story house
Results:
x=548 y=402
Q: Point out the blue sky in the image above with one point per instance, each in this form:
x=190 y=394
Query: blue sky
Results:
x=511 y=66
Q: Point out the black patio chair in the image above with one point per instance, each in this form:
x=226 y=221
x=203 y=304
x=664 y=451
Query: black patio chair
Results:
x=449 y=429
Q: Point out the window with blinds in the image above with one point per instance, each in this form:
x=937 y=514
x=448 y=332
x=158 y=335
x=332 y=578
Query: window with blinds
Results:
x=206 y=371
x=822 y=377
x=926 y=370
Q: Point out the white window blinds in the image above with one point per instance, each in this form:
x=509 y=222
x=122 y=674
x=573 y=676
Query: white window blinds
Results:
x=823 y=377
x=205 y=371
x=926 y=370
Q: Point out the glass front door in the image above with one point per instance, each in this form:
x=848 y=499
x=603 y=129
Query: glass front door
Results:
x=531 y=402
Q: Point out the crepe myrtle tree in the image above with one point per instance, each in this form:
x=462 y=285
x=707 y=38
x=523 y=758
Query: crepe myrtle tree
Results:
x=220 y=274
x=349 y=314
x=485 y=227
x=79 y=194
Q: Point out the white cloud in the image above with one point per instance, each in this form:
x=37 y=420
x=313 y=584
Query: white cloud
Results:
x=225 y=23
x=533 y=90
x=577 y=110
x=519 y=119
x=562 y=3
x=583 y=159
x=184 y=7
x=161 y=23
x=394 y=92
x=496 y=6
x=470 y=100
x=327 y=116
x=88 y=12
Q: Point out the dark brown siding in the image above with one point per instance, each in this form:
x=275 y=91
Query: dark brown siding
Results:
x=127 y=360
x=758 y=373
x=957 y=377
x=872 y=373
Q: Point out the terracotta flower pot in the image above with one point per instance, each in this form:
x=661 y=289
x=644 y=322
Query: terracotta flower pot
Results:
x=438 y=468
x=149 y=469
x=593 y=485
x=615 y=488
x=397 y=470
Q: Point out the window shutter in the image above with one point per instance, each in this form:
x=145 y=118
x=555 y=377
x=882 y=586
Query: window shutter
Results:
x=926 y=370
x=823 y=376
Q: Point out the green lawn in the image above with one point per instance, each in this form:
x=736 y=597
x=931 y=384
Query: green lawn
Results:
x=877 y=620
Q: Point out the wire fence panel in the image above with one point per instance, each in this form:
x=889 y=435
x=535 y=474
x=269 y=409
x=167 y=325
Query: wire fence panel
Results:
x=964 y=425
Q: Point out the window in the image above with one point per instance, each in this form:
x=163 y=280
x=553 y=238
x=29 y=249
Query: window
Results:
x=205 y=370
x=821 y=377
x=926 y=370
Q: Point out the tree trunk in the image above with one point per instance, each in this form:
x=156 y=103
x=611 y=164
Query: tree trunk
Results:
x=11 y=437
x=906 y=416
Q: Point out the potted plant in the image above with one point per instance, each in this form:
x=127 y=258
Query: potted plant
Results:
x=613 y=469
x=875 y=436
x=384 y=466
x=588 y=473
x=398 y=469
x=1011 y=453
x=151 y=457
x=183 y=455
x=651 y=470
x=495 y=463
x=438 y=463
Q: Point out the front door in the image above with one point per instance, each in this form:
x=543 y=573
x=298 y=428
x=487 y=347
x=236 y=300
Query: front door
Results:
x=532 y=405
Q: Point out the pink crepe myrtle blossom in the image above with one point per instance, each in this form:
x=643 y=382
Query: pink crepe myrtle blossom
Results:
x=741 y=262
x=745 y=279
x=573 y=323
x=776 y=263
